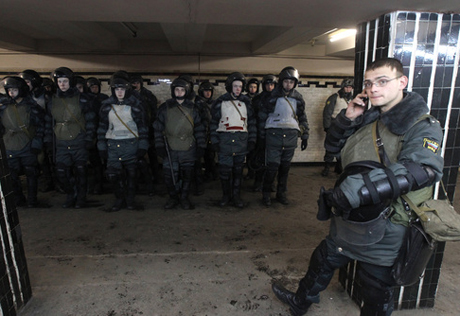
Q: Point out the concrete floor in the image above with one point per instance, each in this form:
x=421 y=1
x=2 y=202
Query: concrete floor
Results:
x=206 y=261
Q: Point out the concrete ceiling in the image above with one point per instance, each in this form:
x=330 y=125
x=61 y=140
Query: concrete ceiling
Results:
x=183 y=27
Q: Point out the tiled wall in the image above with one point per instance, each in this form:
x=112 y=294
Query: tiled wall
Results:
x=15 y=289
x=428 y=46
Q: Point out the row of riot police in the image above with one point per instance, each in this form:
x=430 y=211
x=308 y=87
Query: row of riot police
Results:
x=77 y=127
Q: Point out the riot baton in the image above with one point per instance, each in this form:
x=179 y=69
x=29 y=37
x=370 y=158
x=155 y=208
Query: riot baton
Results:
x=170 y=161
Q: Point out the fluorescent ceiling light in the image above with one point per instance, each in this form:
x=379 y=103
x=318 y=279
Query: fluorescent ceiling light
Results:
x=341 y=34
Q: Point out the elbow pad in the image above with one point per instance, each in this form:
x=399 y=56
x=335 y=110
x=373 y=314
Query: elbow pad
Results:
x=417 y=177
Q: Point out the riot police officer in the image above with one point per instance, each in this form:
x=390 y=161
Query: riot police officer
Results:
x=122 y=139
x=370 y=200
x=282 y=120
x=22 y=128
x=70 y=134
x=233 y=135
x=179 y=140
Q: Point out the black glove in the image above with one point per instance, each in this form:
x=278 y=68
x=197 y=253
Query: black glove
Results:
x=200 y=152
x=216 y=147
x=141 y=153
x=89 y=145
x=161 y=152
x=336 y=198
x=103 y=154
x=251 y=146
x=304 y=144
x=35 y=151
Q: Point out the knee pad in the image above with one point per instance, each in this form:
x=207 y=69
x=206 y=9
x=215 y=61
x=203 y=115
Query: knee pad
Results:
x=81 y=170
x=273 y=167
x=225 y=172
x=113 y=175
x=131 y=171
x=62 y=172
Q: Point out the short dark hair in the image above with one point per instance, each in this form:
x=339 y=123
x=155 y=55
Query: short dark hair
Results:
x=392 y=63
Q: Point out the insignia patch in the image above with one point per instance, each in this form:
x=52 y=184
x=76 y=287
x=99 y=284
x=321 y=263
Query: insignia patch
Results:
x=431 y=145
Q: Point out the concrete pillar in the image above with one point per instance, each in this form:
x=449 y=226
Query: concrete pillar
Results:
x=427 y=44
x=15 y=288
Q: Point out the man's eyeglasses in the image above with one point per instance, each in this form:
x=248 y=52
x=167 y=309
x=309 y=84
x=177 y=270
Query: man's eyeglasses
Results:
x=378 y=83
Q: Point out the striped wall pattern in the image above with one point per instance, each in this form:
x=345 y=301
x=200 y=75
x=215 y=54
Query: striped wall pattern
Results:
x=15 y=288
x=427 y=44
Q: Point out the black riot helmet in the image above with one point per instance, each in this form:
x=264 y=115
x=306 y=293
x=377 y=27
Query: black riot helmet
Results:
x=79 y=80
x=32 y=76
x=347 y=82
x=268 y=79
x=236 y=76
x=120 y=79
x=137 y=78
x=49 y=85
x=205 y=85
x=363 y=213
x=180 y=82
x=253 y=81
x=64 y=72
x=93 y=81
x=289 y=73
x=17 y=83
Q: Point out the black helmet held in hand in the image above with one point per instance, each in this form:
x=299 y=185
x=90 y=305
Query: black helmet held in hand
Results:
x=363 y=213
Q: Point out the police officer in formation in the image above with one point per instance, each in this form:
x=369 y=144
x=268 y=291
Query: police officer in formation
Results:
x=258 y=158
x=226 y=126
x=282 y=120
x=233 y=135
x=40 y=95
x=203 y=102
x=334 y=104
x=69 y=135
x=374 y=189
x=22 y=127
x=122 y=138
x=179 y=141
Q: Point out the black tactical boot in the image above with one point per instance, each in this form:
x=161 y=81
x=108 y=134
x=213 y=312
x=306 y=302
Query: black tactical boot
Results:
x=118 y=205
x=186 y=181
x=269 y=178
x=69 y=201
x=266 y=199
x=32 y=186
x=82 y=187
x=283 y=173
x=172 y=202
x=297 y=301
x=226 y=181
x=131 y=184
x=237 y=176
x=325 y=171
